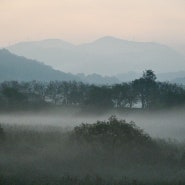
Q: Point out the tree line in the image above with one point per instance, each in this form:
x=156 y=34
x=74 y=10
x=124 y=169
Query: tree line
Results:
x=145 y=93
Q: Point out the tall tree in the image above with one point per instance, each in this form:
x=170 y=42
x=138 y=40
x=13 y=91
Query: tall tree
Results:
x=146 y=88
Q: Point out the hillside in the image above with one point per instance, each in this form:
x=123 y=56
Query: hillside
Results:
x=13 y=67
x=180 y=81
x=105 y=56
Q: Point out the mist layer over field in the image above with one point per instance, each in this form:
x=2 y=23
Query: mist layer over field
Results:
x=159 y=124
x=50 y=147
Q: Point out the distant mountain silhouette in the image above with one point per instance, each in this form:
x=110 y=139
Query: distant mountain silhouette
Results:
x=13 y=67
x=107 y=56
x=180 y=81
x=98 y=79
x=170 y=76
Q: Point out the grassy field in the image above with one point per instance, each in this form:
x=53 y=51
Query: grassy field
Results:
x=53 y=155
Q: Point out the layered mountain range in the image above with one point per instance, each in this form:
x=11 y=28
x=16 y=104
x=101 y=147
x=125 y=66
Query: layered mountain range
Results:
x=13 y=67
x=106 y=56
x=112 y=59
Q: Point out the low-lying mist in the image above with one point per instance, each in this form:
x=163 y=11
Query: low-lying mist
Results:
x=54 y=147
x=168 y=124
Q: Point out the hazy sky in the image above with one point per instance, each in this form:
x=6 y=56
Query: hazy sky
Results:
x=80 y=21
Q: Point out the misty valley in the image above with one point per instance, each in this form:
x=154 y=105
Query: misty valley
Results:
x=108 y=151
x=68 y=132
x=92 y=92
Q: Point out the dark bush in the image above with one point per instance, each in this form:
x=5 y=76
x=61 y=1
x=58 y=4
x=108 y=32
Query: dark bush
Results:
x=112 y=132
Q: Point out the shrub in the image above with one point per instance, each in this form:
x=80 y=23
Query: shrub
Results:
x=112 y=132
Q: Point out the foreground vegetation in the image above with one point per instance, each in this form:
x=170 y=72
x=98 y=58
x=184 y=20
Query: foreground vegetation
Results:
x=145 y=93
x=104 y=153
x=87 y=180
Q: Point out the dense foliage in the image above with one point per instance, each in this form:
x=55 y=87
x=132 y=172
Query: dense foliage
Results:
x=113 y=132
x=145 y=93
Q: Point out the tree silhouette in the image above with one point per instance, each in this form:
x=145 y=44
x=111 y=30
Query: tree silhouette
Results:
x=146 y=88
x=112 y=132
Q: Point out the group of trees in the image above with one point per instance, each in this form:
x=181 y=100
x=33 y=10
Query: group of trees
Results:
x=144 y=92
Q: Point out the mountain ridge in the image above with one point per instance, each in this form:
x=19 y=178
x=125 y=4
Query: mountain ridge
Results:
x=106 y=56
x=13 y=67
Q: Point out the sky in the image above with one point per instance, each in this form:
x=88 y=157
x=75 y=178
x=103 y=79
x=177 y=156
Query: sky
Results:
x=79 y=21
